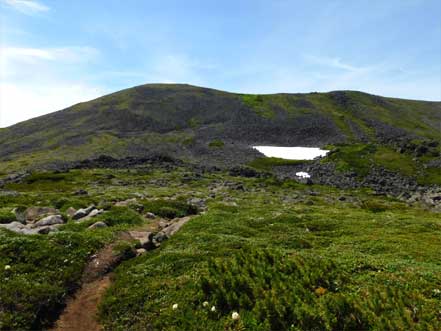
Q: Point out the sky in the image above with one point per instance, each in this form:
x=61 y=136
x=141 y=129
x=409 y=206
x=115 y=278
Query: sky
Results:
x=55 y=53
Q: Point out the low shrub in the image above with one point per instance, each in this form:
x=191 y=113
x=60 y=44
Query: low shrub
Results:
x=37 y=273
x=169 y=208
x=374 y=206
x=6 y=215
x=279 y=292
x=119 y=216
x=216 y=143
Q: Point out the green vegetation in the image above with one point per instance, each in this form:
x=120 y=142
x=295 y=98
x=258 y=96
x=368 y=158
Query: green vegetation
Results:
x=259 y=103
x=6 y=215
x=395 y=161
x=168 y=119
x=37 y=273
x=356 y=158
x=278 y=255
x=359 y=158
x=217 y=143
x=169 y=208
x=267 y=163
x=370 y=264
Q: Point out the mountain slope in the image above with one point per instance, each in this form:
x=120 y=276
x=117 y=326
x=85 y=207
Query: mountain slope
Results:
x=200 y=124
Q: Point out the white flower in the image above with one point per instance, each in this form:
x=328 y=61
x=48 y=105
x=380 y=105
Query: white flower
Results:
x=205 y=304
x=213 y=309
x=7 y=267
x=66 y=260
x=436 y=291
x=175 y=306
x=235 y=316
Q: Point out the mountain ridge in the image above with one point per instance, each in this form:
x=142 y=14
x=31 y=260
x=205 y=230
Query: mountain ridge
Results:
x=183 y=121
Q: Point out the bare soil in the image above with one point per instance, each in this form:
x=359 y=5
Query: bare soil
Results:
x=81 y=310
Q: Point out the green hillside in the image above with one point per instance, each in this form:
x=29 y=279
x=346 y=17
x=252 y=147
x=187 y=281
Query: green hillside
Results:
x=185 y=121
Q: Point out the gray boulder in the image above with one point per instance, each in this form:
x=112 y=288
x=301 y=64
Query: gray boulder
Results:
x=50 y=220
x=150 y=215
x=33 y=214
x=98 y=225
x=145 y=238
x=83 y=212
x=13 y=226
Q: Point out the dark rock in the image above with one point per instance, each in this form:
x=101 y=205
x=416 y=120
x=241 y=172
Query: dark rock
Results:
x=83 y=212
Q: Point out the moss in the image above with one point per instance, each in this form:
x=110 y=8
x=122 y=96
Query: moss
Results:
x=259 y=104
x=430 y=176
x=267 y=163
x=43 y=271
x=357 y=158
x=216 y=143
x=119 y=216
x=169 y=208
x=394 y=161
x=6 y=215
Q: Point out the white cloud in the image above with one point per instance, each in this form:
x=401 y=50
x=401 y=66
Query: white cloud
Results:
x=28 y=7
x=334 y=62
x=19 y=102
x=36 y=81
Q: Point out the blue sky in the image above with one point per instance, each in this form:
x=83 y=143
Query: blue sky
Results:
x=54 y=53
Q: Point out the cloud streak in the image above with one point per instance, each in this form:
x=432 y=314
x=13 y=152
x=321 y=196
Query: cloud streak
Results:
x=27 y=7
x=57 y=80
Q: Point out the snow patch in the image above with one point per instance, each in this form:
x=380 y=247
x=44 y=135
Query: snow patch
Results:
x=303 y=174
x=292 y=153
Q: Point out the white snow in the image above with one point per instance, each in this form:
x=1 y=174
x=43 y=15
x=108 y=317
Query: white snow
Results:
x=303 y=174
x=291 y=153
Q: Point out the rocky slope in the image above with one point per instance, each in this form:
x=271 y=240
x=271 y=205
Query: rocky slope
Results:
x=208 y=126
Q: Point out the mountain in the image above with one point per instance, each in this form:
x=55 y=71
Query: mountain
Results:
x=204 y=125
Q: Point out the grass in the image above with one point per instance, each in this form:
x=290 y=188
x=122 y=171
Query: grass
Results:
x=385 y=251
x=216 y=143
x=395 y=161
x=267 y=163
x=368 y=262
x=357 y=158
x=259 y=104
x=6 y=215
x=43 y=270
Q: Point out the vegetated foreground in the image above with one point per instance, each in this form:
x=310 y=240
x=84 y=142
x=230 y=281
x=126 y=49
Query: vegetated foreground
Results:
x=262 y=253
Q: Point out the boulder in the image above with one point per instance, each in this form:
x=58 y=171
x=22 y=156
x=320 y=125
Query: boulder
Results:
x=98 y=225
x=93 y=213
x=175 y=226
x=50 y=220
x=197 y=202
x=20 y=215
x=83 y=212
x=71 y=211
x=125 y=203
x=150 y=215
x=144 y=238
x=159 y=238
x=33 y=214
x=48 y=229
x=13 y=226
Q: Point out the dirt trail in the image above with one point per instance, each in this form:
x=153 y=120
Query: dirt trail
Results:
x=81 y=310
